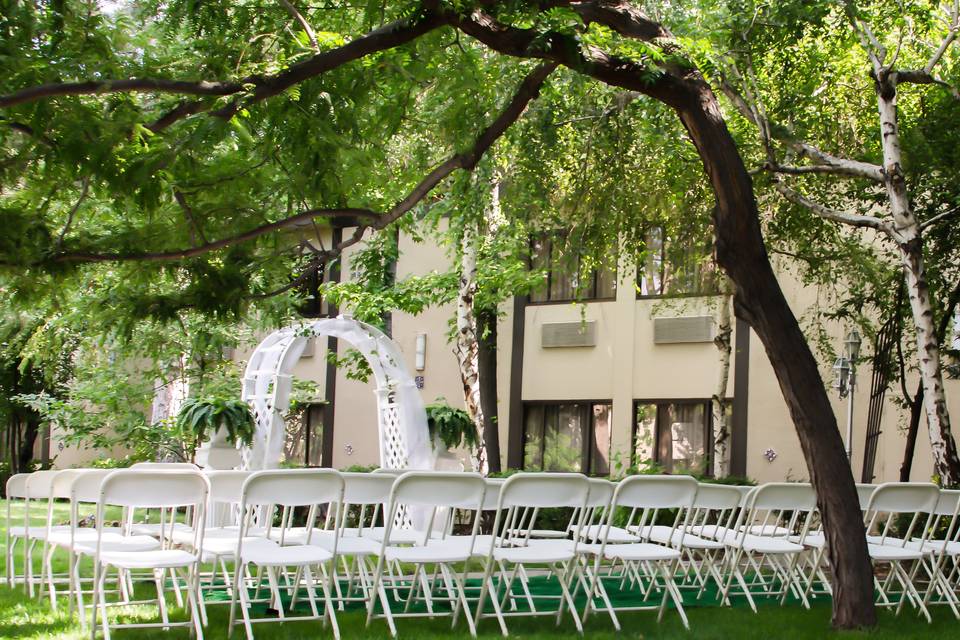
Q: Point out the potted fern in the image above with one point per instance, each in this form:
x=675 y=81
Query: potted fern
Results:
x=452 y=429
x=227 y=422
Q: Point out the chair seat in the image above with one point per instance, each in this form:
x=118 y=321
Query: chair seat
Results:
x=885 y=552
x=762 y=544
x=588 y=548
x=277 y=556
x=118 y=543
x=38 y=532
x=640 y=551
x=154 y=529
x=544 y=534
x=298 y=535
x=444 y=551
x=767 y=530
x=663 y=534
x=951 y=547
x=158 y=559
x=398 y=536
x=227 y=547
x=615 y=535
x=88 y=536
x=536 y=553
x=348 y=545
x=815 y=540
x=185 y=535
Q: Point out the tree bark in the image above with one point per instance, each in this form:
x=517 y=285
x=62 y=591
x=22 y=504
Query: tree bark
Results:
x=467 y=348
x=487 y=366
x=909 y=241
x=721 y=431
x=760 y=301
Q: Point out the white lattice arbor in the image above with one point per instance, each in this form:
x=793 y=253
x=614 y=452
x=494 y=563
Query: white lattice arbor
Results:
x=403 y=436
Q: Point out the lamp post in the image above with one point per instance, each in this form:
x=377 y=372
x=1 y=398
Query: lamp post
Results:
x=845 y=382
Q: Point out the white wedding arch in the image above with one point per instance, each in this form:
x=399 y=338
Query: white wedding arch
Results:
x=403 y=436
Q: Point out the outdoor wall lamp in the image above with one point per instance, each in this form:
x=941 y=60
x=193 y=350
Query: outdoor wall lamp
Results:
x=421 y=352
x=845 y=379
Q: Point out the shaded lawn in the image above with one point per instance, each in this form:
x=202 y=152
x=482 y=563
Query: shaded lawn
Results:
x=29 y=619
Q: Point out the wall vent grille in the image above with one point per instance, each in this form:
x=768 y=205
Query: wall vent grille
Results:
x=568 y=334
x=682 y=330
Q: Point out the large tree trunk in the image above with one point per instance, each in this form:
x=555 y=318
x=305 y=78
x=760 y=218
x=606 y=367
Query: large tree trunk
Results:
x=760 y=301
x=487 y=366
x=721 y=430
x=467 y=347
x=910 y=242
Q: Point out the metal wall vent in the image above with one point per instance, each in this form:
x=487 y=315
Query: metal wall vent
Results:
x=680 y=330
x=568 y=334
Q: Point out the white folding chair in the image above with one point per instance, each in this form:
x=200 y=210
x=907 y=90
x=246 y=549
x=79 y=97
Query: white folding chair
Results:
x=135 y=489
x=946 y=551
x=266 y=494
x=768 y=541
x=441 y=494
x=512 y=552
x=36 y=494
x=652 y=567
x=16 y=492
x=905 y=552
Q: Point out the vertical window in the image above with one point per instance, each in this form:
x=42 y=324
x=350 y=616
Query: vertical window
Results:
x=676 y=266
x=567 y=279
x=571 y=436
x=680 y=432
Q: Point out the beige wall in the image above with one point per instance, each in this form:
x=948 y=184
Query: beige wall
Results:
x=625 y=365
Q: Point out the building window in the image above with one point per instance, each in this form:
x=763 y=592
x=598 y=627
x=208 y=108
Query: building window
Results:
x=567 y=280
x=567 y=436
x=676 y=266
x=677 y=434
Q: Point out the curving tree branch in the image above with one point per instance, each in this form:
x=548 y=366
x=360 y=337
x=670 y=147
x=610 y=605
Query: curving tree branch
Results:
x=528 y=90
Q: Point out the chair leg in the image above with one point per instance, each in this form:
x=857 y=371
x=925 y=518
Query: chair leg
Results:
x=328 y=604
x=158 y=578
x=193 y=596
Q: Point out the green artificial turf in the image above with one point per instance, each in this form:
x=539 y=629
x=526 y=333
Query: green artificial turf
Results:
x=29 y=619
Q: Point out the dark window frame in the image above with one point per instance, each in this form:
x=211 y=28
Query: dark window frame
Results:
x=548 y=239
x=586 y=412
x=706 y=403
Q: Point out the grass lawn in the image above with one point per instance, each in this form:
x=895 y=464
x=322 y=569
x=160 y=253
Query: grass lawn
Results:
x=25 y=618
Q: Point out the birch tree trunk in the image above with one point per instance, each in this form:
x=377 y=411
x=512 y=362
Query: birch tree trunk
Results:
x=467 y=347
x=907 y=234
x=721 y=430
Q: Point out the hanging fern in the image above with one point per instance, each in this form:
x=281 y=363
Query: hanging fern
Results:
x=451 y=427
x=202 y=416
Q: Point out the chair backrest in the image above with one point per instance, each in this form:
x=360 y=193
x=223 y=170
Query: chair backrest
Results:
x=39 y=484
x=778 y=509
x=367 y=488
x=17 y=486
x=492 y=497
x=541 y=490
x=439 y=489
x=904 y=497
x=522 y=496
x=147 y=488
x=293 y=487
x=716 y=505
x=86 y=485
x=656 y=492
x=891 y=500
x=864 y=491
x=179 y=466
x=150 y=488
x=226 y=487
x=441 y=494
x=717 y=497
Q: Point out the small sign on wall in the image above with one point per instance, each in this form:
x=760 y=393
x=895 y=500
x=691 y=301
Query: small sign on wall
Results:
x=418 y=381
